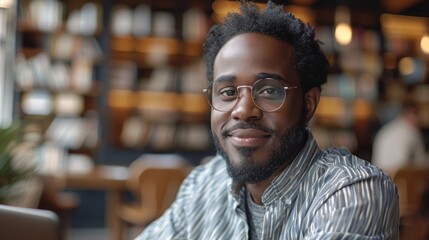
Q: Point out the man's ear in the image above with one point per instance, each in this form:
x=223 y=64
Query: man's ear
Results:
x=311 y=99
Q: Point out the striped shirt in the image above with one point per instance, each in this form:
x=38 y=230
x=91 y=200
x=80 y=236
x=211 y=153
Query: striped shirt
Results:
x=323 y=194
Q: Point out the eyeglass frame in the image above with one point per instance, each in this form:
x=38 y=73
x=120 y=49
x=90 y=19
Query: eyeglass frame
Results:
x=206 y=91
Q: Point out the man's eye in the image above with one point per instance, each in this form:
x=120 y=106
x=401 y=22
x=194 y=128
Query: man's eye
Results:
x=228 y=93
x=268 y=91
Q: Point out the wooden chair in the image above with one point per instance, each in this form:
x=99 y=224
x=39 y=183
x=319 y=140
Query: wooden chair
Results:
x=155 y=188
x=413 y=184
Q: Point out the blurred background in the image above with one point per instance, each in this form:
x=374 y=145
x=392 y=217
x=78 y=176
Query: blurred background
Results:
x=89 y=87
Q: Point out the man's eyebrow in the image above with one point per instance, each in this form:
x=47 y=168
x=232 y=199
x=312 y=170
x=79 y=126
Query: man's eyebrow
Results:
x=225 y=78
x=271 y=75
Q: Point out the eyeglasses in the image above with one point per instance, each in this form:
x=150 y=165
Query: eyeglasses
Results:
x=267 y=94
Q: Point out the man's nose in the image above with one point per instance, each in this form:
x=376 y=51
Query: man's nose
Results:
x=245 y=109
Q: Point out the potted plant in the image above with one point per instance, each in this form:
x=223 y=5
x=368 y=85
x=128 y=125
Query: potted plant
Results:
x=17 y=164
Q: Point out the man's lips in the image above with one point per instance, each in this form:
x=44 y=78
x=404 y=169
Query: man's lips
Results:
x=248 y=137
x=249 y=133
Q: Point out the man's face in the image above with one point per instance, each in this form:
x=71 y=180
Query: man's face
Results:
x=257 y=144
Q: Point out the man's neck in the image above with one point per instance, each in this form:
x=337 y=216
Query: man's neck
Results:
x=256 y=191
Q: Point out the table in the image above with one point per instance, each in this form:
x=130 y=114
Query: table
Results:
x=112 y=179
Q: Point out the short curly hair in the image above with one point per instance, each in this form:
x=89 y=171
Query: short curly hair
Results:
x=311 y=63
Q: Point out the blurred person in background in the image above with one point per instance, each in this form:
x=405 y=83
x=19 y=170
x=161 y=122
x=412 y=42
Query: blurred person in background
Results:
x=269 y=179
x=399 y=143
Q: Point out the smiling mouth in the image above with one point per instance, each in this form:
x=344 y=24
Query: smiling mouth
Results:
x=248 y=137
x=248 y=133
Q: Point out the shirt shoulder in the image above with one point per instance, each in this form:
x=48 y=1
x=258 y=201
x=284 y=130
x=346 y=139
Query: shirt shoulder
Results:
x=347 y=189
x=339 y=165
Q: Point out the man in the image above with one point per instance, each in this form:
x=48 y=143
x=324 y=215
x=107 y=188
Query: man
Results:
x=270 y=180
x=400 y=143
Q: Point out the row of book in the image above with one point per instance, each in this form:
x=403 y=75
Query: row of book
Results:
x=41 y=72
x=141 y=21
x=68 y=46
x=126 y=75
x=138 y=21
x=74 y=132
x=364 y=40
x=137 y=132
x=48 y=16
x=349 y=86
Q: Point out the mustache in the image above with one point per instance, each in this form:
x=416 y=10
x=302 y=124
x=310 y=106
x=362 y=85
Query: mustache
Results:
x=243 y=125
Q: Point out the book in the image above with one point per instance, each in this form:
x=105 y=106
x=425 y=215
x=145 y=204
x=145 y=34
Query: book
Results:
x=163 y=24
x=122 y=20
x=142 y=21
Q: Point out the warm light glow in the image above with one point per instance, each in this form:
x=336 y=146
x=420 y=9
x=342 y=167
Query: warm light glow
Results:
x=424 y=43
x=343 y=33
x=406 y=66
x=343 y=29
x=6 y=3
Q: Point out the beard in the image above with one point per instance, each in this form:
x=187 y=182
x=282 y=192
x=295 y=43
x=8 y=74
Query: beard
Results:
x=247 y=170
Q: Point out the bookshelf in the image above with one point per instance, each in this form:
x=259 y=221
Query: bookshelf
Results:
x=57 y=82
x=125 y=76
x=156 y=76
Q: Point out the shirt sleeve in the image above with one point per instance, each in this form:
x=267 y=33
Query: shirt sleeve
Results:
x=166 y=227
x=365 y=209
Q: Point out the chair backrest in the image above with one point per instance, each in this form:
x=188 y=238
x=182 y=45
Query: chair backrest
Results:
x=160 y=185
x=156 y=185
x=18 y=223
x=412 y=183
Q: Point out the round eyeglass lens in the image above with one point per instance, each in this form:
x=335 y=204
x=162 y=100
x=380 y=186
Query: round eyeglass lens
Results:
x=269 y=94
x=222 y=95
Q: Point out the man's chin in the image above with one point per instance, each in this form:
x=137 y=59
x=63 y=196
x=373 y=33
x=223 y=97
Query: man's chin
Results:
x=246 y=169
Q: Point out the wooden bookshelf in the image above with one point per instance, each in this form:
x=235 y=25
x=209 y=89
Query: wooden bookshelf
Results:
x=159 y=98
x=58 y=64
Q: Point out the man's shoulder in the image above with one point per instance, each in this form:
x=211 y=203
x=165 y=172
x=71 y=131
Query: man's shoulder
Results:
x=338 y=169
x=341 y=156
x=341 y=163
